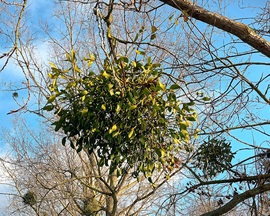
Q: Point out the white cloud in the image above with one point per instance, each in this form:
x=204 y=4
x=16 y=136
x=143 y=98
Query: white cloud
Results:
x=5 y=184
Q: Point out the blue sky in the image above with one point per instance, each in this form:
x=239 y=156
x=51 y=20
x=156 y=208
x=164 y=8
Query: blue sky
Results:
x=10 y=79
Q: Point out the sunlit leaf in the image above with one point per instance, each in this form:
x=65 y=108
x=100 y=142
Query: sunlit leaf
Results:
x=162 y=86
x=110 y=86
x=115 y=134
x=84 y=111
x=51 y=98
x=103 y=106
x=84 y=92
x=118 y=108
x=77 y=69
x=130 y=134
x=52 y=65
x=106 y=75
x=132 y=107
x=160 y=152
x=92 y=57
x=140 y=52
x=73 y=57
x=114 y=128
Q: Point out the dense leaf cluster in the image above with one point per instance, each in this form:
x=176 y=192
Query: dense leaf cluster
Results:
x=124 y=113
x=214 y=156
x=29 y=198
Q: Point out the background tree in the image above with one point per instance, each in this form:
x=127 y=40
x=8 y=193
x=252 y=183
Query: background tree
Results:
x=47 y=180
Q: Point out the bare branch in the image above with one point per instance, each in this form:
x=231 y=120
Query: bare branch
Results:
x=240 y=30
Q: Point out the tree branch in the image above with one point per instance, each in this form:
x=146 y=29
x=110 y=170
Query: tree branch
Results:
x=237 y=199
x=238 y=29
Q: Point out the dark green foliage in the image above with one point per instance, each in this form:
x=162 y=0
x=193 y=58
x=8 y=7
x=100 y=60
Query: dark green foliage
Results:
x=15 y=94
x=30 y=198
x=214 y=157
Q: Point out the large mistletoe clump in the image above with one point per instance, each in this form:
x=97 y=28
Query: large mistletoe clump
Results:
x=124 y=113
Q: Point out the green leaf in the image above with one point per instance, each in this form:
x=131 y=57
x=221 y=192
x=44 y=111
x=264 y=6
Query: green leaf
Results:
x=160 y=152
x=176 y=141
x=162 y=86
x=130 y=134
x=84 y=92
x=71 y=84
x=73 y=57
x=149 y=60
x=140 y=52
x=136 y=37
x=124 y=59
x=111 y=92
x=77 y=69
x=119 y=172
x=191 y=118
x=114 y=128
x=52 y=65
x=199 y=94
x=64 y=141
x=132 y=107
x=131 y=98
x=48 y=108
x=101 y=162
x=150 y=167
x=51 y=98
x=206 y=99
x=103 y=106
x=79 y=148
x=118 y=108
x=106 y=75
x=115 y=134
x=92 y=57
x=84 y=111
x=142 y=29
x=58 y=126
x=146 y=91
x=51 y=76
x=175 y=86
x=110 y=86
